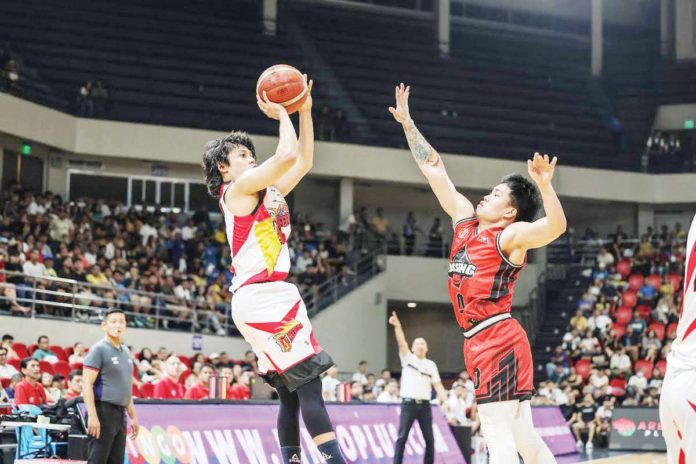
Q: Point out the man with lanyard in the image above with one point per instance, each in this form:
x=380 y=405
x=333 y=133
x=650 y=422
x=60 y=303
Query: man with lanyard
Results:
x=419 y=376
x=107 y=383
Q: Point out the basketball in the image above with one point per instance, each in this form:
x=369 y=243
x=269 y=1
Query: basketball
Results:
x=283 y=84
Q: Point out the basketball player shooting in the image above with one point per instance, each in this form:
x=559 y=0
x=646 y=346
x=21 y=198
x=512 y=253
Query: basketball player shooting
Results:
x=678 y=396
x=489 y=250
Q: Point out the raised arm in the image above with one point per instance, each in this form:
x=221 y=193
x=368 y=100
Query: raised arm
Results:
x=272 y=170
x=527 y=235
x=399 y=334
x=456 y=205
x=305 y=161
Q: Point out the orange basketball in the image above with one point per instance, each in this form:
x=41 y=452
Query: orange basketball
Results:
x=283 y=84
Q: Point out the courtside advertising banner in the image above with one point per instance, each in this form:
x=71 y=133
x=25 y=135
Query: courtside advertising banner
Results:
x=553 y=428
x=200 y=433
x=636 y=428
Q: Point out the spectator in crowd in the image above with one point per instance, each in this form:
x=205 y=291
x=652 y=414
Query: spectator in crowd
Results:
x=11 y=388
x=43 y=352
x=329 y=384
x=579 y=321
x=241 y=389
x=408 y=232
x=53 y=391
x=650 y=347
x=30 y=390
x=457 y=405
x=620 y=363
x=6 y=370
x=384 y=378
x=78 y=354
x=8 y=289
x=605 y=257
x=380 y=225
x=200 y=390
x=584 y=420
x=603 y=419
x=360 y=375
x=356 y=391
x=637 y=384
x=647 y=294
x=435 y=239
x=7 y=342
x=390 y=393
x=169 y=387
x=74 y=384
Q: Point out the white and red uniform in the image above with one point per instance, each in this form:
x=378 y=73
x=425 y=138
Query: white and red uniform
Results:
x=268 y=311
x=678 y=396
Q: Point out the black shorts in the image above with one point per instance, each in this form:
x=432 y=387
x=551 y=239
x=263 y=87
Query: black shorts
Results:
x=300 y=374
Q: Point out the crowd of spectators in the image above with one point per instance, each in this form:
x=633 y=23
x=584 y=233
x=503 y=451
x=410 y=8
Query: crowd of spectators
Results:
x=157 y=265
x=670 y=151
x=614 y=351
x=10 y=71
x=92 y=98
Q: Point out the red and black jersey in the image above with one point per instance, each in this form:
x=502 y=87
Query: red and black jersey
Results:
x=481 y=279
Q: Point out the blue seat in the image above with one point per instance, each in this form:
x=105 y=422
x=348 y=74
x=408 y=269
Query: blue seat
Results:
x=33 y=443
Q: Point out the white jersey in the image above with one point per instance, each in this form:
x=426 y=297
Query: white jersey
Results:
x=258 y=241
x=683 y=354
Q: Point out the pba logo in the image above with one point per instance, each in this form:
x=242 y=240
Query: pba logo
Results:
x=626 y=427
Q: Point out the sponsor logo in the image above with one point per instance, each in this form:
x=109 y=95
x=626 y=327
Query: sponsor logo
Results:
x=295 y=459
x=326 y=456
x=460 y=267
x=626 y=427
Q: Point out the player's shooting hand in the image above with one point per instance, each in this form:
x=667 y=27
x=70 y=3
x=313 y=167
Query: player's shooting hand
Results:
x=93 y=426
x=394 y=320
x=401 y=112
x=540 y=169
x=270 y=109
x=307 y=105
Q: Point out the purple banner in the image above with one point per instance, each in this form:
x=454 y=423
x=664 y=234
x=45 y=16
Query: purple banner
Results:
x=246 y=433
x=553 y=428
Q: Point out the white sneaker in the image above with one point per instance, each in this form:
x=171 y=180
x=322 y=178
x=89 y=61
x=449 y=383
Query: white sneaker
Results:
x=221 y=331
x=589 y=447
x=579 y=445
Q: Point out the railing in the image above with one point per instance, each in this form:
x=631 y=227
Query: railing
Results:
x=57 y=298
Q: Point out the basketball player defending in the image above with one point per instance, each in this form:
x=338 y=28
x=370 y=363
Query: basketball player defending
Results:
x=489 y=249
x=678 y=396
x=268 y=311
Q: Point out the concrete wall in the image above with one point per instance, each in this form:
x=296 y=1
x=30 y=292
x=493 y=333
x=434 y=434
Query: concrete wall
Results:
x=685 y=29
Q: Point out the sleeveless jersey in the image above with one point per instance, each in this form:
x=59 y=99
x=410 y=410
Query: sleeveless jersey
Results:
x=683 y=354
x=258 y=241
x=481 y=279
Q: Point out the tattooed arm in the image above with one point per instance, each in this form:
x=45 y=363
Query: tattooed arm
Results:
x=454 y=203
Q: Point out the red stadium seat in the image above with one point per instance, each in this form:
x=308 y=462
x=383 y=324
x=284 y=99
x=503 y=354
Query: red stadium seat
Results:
x=185 y=375
x=672 y=329
x=630 y=299
x=619 y=330
x=623 y=316
x=5 y=382
x=32 y=348
x=645 y=366
x=623 y=267
x=76 y=366
x=635 y=281
x=618 y=386
x=136 y=391
x=659 y=329
x=21 y=349
x=68 y=351
x=147 y=390
x=46 y=366
x=661 y=366
x=644 y=312
x=62 y=368
x=15 y=363
x=185 y=361
x=582 y=367
x=655 y=280
x=676 y=281
x=58 y=350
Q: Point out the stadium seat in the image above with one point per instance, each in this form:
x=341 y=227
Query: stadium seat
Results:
x=185 y=361
x=659 y=329
x=5 y=382
x=635 y=281
x=76 y=366
x=623 y=316
x=630 y=299
x=136 y=391
x=62 y=368
x=21 y=349
x=618 y=386
x=15 y=363
x=184 y=375
x=46 y=366
x=676 y=281
x=644 y=312
x=672 y=329
x=661 y=366
x=624 y=267
x=582 y=367
x=655 y=280
x=32 y=348
x=619 y=330
x=58 y=350
x=68 y=350
x=147 y=390
x=645 y=366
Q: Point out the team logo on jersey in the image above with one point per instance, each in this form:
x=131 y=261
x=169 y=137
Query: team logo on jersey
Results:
x=460 y=267
x=283 y=331
x=287 y=335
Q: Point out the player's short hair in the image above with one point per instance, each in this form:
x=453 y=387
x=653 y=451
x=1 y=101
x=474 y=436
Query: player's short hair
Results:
x=74 y=373
x=524 y=196
x=112 y=311
x=216 y=151
x=38 y=340
x=24 y=363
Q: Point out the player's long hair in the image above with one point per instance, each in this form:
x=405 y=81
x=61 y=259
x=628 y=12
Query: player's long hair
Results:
x=216 y=151
x=524 y=196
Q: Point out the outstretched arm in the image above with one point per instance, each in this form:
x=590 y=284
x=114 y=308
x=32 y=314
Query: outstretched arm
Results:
x=527 y=235
x=305 y=161
x=454 y=203
x=399 y=334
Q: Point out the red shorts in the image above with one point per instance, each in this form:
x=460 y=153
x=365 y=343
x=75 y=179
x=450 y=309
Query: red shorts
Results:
x=499 y=361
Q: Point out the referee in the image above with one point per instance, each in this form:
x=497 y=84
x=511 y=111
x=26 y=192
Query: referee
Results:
x=418 y=377
x=106 y=389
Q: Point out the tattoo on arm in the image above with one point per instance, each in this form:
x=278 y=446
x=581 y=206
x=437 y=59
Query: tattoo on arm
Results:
x=420 y=148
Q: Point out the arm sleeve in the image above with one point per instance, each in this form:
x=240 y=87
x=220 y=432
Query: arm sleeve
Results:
x=94 y=359
x=405 y=358
x=436 y=373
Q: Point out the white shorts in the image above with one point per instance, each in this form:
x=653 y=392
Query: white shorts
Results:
x=678 y=414
x=273 y=318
